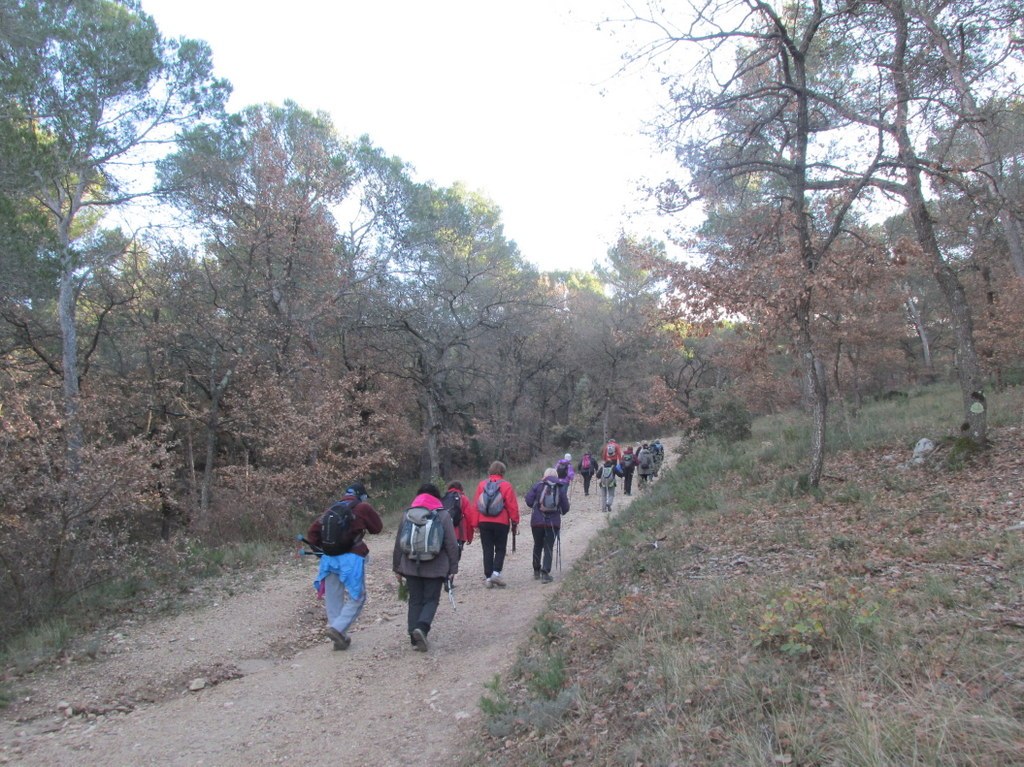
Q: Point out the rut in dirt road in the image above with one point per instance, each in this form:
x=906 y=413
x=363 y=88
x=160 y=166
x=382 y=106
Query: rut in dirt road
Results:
x=378 y=703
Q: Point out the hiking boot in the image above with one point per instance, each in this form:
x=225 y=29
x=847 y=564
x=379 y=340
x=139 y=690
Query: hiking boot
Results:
x=497 y=580
x=488 y=582
x=536 y=575
x=341 y=642
x=545 y=578
x=419 y=639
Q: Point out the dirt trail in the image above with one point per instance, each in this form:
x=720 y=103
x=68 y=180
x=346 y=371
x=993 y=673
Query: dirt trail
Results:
x=276 y=692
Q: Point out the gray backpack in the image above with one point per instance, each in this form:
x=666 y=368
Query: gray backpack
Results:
x=491 y=503
x=422 y=534
x=549 y=498
x=607 y=476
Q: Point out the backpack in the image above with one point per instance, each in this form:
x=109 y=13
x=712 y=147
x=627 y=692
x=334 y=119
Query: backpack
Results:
x=585 y=463
x=562 y=469
x=422 y=534
x=453 y=504
x=645 y=460
x=491 y=503
x=336 y=534
x=607 y=476
x=628 y=460
x=610 y=450
x=549 y=498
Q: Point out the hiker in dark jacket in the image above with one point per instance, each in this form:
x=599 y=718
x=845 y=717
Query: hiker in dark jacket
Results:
x=463 y=530
x=645 y=465
x=606 y=482
x=341 y=580
x=628 y=464
x=426 y=579
x=546 y=525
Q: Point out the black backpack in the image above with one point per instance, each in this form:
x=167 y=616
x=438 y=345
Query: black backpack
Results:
x=336 y=528
x=453 y=503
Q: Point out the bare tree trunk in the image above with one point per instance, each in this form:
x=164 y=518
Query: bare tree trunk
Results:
x=69 y=351
x=817 y=394
x=922 y=332
x=431 y=427
x=969 y=373
x=217 y=390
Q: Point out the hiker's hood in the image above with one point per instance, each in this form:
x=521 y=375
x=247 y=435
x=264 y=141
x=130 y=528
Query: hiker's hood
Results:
x=427 y=501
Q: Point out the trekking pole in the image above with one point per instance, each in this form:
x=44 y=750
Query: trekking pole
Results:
x=558 y=549
x=449 y=586
x=302 y=552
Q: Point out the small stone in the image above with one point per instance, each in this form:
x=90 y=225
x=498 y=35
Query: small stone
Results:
x=197 y=684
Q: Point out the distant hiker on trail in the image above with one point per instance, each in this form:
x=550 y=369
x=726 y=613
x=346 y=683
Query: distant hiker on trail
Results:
x=606 y=481
x=645 y=464
x=659 y=455
x=612 y=451
x=426 y=555
x=549 y=500
x=495 y=510
x=586 y=468
x=338 y=533
x=564 y=470
x=628 y=464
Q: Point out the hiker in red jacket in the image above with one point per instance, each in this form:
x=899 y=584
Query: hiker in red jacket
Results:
x=494 y=511
x=586 y=468
x=612 y=452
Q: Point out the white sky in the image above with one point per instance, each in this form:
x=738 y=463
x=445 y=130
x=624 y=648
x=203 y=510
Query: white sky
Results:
x=514 y=99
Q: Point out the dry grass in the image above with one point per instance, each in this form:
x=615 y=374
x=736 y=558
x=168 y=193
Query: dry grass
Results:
x=877 y=622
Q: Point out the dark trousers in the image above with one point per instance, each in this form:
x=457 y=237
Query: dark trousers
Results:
x=424 y=596
x=543 y=547
x=586 y=483
x=494 y=542
x=627 y=481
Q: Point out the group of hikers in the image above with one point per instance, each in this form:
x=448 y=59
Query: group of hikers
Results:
x=615 y=461
x=436 y=527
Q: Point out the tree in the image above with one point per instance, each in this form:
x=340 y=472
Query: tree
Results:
x=451 y=280
x=86 y=87
x=761 y=146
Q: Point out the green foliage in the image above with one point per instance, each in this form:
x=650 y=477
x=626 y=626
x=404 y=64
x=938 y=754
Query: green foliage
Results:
x=548 y=630
x=495 y=703
x=960 y=451
x=798 y=486
x=726 y=418
x=545 y=675
x=802 y=620
x=37 y=645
